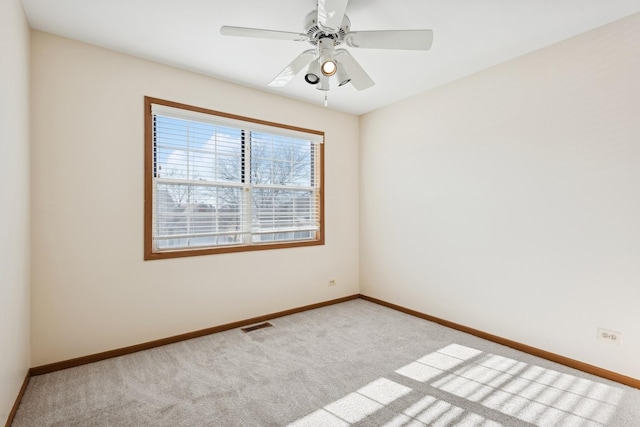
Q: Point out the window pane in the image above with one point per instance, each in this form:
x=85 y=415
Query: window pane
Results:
x=283 y=209
x=197 y=151
x=279 y=160
x=197 y=215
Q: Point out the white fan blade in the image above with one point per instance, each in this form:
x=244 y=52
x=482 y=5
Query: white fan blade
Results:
x=330 y=14
x=262 y=34
x=391 y=39
x=359 y=78
x=294 y=68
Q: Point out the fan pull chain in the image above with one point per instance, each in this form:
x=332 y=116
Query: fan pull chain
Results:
x=326 y=103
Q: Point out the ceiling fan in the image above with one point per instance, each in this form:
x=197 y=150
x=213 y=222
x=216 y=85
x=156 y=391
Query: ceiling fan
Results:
x=325 y=28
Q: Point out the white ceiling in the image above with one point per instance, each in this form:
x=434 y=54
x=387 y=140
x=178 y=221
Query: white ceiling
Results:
x=469 y=36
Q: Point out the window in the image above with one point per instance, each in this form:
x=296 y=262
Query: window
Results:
x=216 y=183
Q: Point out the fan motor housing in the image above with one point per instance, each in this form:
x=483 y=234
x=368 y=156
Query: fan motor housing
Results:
x=315 y=33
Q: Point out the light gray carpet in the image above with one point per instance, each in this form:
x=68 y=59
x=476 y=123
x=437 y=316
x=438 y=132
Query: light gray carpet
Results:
x=355 y=363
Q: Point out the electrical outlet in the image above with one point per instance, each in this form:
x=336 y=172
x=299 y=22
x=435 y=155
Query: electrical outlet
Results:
x=332 y=282
x=608 y=336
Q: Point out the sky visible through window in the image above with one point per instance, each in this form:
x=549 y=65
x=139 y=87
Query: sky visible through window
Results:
x=200 y=151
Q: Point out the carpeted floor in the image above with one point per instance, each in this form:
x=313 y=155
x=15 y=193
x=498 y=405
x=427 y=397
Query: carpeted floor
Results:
x=355 y=363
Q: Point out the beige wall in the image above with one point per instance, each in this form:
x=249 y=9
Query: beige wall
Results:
x=92 y=291
x=14 y=199
x=509 y=200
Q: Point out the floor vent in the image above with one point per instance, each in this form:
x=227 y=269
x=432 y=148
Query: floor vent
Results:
x=256 y=327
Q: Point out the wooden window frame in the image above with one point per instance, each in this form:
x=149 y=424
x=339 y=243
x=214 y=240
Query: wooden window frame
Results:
x=149 y=253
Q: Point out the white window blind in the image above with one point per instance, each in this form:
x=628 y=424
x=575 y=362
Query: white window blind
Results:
x=220 y=181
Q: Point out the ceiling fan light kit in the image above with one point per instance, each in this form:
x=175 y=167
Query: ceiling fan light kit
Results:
x=327 y=27
x=328 y=65
x=343 y=77
x=313 y=73
x=324 y=84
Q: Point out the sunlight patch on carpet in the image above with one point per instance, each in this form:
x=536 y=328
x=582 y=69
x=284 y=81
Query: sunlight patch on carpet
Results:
x=532 y=394
x=433 y=412
x=355 y=406
x=500 y=386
